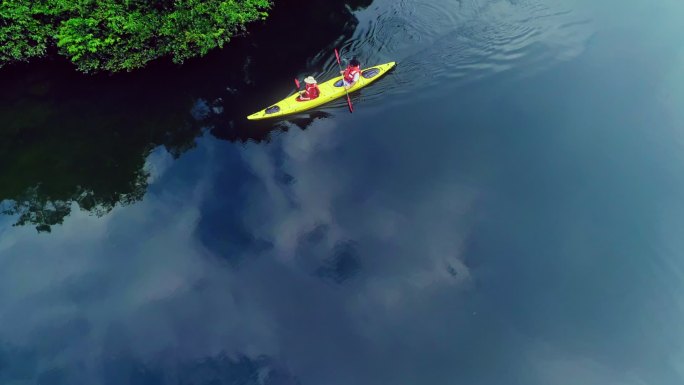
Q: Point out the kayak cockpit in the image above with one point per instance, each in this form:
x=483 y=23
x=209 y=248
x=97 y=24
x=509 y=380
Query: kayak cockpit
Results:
x=272 y=110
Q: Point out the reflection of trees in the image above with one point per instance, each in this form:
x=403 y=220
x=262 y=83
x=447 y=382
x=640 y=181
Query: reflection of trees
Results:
x=69 y=140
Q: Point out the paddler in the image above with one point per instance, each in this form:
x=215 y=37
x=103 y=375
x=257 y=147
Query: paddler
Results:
x=311 y=90
x=351 y=73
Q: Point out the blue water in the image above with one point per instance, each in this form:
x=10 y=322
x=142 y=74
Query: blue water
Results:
x=506 y=207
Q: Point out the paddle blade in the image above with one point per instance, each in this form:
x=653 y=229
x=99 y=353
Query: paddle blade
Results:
x=297 y=83
x=351 y=109
x=337 y=55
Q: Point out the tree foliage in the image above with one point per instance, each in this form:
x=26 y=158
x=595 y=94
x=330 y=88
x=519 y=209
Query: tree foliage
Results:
x=114 y=35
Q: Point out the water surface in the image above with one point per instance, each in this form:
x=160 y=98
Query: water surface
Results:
x=503 y=208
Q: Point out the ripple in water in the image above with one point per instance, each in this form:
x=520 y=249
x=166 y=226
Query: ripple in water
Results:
x=454 y=42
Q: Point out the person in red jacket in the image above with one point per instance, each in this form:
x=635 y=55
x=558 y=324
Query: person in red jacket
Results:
x=311 y=91
x=351 y=73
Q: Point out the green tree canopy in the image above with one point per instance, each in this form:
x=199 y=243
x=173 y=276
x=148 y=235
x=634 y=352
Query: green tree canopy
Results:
x=114 y=35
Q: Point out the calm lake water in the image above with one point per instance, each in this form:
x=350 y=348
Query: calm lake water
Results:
x=505 y=207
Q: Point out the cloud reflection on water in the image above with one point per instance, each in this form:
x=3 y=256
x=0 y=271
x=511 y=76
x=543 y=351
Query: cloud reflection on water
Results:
x=270 y=258
x=140 y=283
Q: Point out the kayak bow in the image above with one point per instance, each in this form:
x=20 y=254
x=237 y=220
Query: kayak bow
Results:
x=330 y=90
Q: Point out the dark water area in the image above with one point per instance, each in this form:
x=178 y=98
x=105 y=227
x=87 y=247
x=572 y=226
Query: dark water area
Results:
x=505 y=207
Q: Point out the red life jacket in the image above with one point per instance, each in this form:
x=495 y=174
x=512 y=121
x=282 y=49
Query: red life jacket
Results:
x=350 y=73
x=312 y=91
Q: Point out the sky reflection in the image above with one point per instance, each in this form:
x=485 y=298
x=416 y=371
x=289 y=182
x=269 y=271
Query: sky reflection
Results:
x=526 y=236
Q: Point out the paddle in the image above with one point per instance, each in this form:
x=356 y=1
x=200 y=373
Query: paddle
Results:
x=297 y=83
x=337 y=55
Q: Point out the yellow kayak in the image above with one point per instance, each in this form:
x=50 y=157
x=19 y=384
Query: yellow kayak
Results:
x=330 y=90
